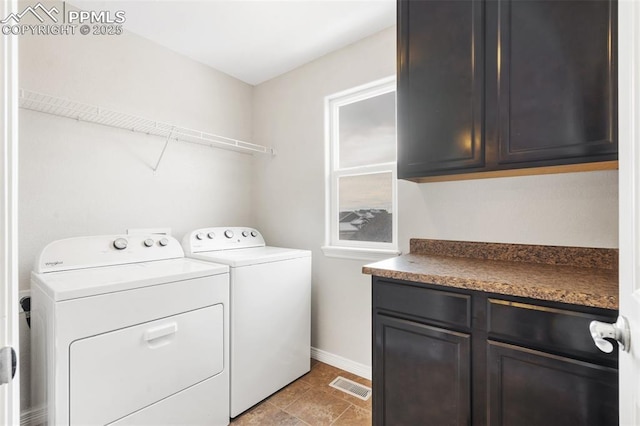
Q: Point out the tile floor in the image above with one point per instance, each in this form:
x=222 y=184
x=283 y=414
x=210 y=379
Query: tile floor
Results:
x=311 y=401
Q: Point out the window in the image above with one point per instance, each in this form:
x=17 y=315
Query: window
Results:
x=361 y=172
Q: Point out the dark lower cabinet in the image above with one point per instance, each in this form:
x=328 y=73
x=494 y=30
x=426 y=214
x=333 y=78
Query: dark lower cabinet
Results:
x=456 y=357
x=435 y=361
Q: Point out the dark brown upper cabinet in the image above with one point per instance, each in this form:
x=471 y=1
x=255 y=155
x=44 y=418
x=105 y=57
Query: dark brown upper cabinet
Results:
x=505 y=87
x=440 y=87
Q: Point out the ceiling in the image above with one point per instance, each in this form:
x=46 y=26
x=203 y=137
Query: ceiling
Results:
x=252 y=40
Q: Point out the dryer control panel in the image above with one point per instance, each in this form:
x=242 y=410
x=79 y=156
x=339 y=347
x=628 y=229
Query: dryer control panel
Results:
x=221 y=238
x=106 y=250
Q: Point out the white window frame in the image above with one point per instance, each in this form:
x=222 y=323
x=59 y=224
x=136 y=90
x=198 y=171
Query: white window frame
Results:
x=334 y=247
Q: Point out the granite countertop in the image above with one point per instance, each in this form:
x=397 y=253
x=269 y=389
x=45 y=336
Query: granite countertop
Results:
x=581 y=276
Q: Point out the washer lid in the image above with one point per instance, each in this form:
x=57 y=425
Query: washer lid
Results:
x=251 y=256
x=65 y=285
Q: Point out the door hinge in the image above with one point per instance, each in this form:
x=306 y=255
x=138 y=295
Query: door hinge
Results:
x=8 y=364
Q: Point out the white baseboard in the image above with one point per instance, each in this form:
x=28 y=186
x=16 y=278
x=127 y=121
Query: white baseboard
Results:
x=356 y=368
x=33 y=416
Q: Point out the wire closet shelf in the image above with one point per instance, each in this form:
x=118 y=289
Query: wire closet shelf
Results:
x=93 y=114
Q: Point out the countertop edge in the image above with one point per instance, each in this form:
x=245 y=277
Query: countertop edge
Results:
x=500 y=288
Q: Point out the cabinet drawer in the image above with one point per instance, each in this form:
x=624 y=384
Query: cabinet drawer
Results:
x=557 y=330
x=437 y=306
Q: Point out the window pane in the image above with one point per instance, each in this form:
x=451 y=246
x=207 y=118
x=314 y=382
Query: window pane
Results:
x=364 y=207
x=367 y=131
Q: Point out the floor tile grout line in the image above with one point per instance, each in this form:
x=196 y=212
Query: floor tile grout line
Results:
x=341 y=414
x=319 y=389
x=295 y=400
x=347 y=400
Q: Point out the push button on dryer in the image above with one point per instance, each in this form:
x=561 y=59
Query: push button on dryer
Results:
x=120 y=244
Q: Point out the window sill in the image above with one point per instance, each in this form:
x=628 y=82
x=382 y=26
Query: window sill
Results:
x=358 y=253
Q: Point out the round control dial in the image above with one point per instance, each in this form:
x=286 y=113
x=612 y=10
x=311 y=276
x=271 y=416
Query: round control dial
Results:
x=245 y=233
x=163 y=242
x=254 y=234
x=211 y=235
x=120 y=244
x=148 y=242
x=228 y=233
x=200 y=236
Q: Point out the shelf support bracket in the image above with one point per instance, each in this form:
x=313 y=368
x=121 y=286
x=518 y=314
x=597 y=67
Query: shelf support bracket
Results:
x=166 y=143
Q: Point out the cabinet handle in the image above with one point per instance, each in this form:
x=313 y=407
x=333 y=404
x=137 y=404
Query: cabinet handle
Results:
x=600 y=331
x=160 y=331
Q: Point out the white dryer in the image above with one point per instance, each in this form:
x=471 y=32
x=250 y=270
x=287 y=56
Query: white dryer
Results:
x=270 y=310
x=127 y=331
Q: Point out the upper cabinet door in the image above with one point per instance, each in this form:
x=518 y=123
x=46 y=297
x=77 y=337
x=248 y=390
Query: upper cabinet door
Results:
x=440 y=87
x=552 y=84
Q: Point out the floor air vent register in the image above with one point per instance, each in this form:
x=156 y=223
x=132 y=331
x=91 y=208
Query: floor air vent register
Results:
x=352 y=388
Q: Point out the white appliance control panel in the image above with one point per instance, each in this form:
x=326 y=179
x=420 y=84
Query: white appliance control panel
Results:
x=222 y=238
x=106 y=250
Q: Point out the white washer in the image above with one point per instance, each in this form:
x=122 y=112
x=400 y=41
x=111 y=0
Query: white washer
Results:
x=270 y=310
x=127 y=331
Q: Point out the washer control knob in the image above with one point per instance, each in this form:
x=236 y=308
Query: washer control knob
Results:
x=211 y=235
x=163 y=242
x=228 y=233
x=148 y=242
x=254 y=234
x=120 y=244
x=200 y=236
x=245 y=233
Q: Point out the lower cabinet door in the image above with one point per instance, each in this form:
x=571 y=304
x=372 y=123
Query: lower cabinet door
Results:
x=532 y=388
x=422 y=374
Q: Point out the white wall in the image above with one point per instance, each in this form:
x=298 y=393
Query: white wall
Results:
x=570 y=209
x=577 y=209
x=84 y=179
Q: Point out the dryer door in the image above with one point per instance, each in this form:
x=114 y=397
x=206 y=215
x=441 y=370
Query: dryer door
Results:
x=117 y=373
